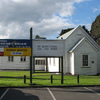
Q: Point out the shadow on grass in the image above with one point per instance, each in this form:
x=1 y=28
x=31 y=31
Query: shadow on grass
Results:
x=44 y=79
x=11 y=77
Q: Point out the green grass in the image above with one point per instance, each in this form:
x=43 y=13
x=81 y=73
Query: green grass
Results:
x=43 y=79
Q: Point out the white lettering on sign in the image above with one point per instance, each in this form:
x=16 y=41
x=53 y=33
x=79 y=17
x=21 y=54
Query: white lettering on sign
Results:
x=16 y=53
x=46 y=47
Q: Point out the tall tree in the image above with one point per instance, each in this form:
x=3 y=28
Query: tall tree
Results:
x=95 y=29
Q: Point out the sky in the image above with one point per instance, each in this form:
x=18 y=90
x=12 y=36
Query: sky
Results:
x=46 y=17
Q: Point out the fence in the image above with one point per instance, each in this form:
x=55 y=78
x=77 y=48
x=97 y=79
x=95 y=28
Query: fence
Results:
x=47 y=79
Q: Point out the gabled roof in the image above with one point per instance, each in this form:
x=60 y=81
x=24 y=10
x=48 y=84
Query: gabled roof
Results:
x=67 y=34
x=80 y=42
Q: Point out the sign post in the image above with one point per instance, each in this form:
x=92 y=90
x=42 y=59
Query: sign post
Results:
x=31 y=57
x=18 y=47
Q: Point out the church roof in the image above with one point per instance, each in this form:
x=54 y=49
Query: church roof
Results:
x=67 y=34
x=80 y=43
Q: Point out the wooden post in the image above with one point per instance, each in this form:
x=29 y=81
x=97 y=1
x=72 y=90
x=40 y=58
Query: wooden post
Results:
x=59 y=64
x=62 y=76
x=46 y=64
x=51 y=79
x=24 y=79
x=31 y=64
x=78 y=79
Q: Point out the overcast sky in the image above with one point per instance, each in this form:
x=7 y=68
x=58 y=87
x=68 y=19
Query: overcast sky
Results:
x=47 y=17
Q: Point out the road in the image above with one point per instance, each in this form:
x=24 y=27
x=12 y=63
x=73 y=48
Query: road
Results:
x=68 y=93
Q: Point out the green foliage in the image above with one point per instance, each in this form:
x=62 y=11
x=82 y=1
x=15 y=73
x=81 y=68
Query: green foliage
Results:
x=69 y=29
x=39 y=37
x=65 y=31
x=86 y=29
x=95 y=29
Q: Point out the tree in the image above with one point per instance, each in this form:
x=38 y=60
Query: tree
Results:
x=39 y=37
x=86 y=29
x=95 y=29
x=65 y=31
x=69 y=29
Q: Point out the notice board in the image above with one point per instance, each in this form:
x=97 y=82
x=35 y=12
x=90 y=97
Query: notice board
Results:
x=15 y=47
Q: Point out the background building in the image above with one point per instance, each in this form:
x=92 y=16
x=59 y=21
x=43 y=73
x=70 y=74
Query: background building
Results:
x=80 y=53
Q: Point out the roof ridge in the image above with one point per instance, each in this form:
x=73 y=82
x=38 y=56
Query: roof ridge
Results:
x=69 y=32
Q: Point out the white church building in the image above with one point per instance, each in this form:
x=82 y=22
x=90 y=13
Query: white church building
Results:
x=75 y=50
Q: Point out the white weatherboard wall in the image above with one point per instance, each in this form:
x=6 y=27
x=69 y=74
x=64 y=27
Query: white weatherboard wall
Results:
x=98 y=62
x=48 y=48
x=16 y=64
x=71 y=41
x=85 y=48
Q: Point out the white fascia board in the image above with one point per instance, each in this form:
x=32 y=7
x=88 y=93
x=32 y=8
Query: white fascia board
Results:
x=82 y=41
x=93 y=42
x=76 y=45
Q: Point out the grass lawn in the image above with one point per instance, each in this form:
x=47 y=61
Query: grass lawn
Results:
x=43 y=79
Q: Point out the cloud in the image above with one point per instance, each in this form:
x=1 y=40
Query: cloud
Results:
x=47 y=27
x=96 y=9
x=47 y=17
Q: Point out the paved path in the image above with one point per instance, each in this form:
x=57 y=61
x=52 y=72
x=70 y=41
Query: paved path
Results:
x=68 y=93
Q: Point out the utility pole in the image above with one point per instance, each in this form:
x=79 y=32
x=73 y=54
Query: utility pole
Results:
x=31 y=57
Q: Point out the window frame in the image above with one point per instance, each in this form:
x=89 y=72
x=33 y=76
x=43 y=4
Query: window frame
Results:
x=23 y=59
x=39 y=62
x=85 y=60
x=10 y=58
